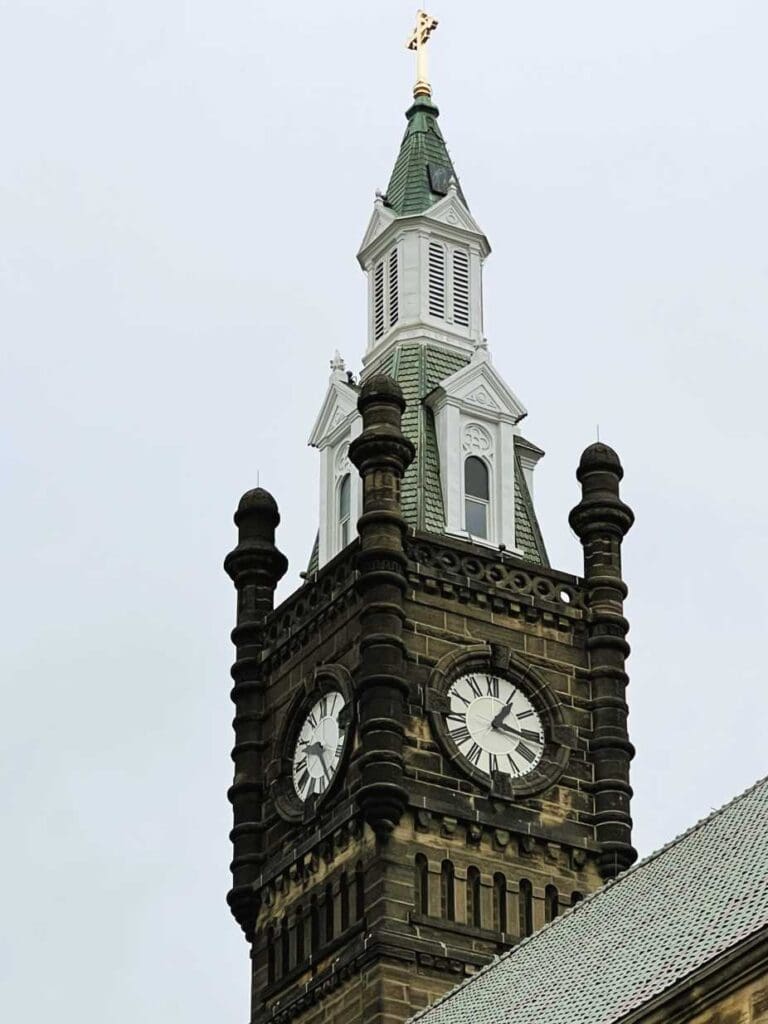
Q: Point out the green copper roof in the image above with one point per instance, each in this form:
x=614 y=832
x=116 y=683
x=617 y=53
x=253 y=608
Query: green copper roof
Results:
x=423 y=169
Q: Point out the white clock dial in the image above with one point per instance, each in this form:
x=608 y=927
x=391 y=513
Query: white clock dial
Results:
x=319 y=747
x=494 y=725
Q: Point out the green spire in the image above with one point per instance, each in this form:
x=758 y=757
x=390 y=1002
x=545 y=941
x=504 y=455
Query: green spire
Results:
x=423 y=170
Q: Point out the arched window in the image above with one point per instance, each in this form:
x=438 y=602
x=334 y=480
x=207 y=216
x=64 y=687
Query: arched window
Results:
x=344 y=899
x=270 y=955
x=474 y=916
x=344 y=505
x=551 y=903
x=359 y=891
x=477 y=497
x=526 y=907
x=328 y=912
x=576 y=897
x=499 y=902
x=299 y=935
x=314 y=925
x=285 y=946
x=421 y=885
x=447 y=893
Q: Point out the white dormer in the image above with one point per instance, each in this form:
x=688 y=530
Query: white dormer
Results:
x=476 y=419
x=340 y=491
x=424 y=277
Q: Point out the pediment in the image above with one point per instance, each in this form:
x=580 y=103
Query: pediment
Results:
x=380 y=220
x=451 y=211
x=339 y=407
x=480 y=387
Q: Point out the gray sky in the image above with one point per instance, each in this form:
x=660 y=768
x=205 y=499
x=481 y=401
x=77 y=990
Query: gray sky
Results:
x=182 y=192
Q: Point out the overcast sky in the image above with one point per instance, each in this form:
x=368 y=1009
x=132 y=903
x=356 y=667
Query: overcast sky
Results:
x=183 y=187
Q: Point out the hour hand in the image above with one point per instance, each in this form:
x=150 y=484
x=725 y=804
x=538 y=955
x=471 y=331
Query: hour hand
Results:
x=314 y=748
x=497 y=722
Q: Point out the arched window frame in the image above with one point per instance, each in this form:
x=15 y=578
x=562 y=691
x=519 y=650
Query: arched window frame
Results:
x=485 y=503
x=344 y=510
x=551 y=903
x=421 y=885
x=447 y=891
x=525 y=899
x=499 y=902
x=474 y=898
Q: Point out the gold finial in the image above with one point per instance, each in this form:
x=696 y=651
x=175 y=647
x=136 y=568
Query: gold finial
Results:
x=425 y=26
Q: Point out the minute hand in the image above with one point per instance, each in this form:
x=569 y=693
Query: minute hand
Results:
x=516 y=732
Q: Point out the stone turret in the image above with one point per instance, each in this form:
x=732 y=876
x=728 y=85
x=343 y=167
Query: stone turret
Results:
x=382 y=453
x=255 y=566
x=601 y=520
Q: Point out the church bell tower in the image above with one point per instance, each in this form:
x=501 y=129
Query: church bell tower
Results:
x=431 y=751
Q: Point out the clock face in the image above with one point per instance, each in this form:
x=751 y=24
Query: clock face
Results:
x=494 y=725
x=319 y=747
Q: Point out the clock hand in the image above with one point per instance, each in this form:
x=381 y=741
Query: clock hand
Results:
x=516 y=732
x=496 y=723
x=322 y=762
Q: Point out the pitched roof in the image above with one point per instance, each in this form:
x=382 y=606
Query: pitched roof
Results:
x=422 y=164
x=640 y=935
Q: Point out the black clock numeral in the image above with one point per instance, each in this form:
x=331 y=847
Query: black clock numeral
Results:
x=340 y=748
x=462 y=698
x=474 y=753
x=474 y=686
x=492 y=684
x=493 y=764
x=311 y=719
x=323 y=707
x=460 y=735
x=301 y=764
x=321 y=784
x=455 y=716
x=513 y=767
x=526 y=752
x=303 y=781
x=525 y=714
x=531 y=734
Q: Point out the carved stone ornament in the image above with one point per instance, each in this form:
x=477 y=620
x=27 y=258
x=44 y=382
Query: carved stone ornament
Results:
x=343 y=465
x=325 y=679
x=505 y=663
x=480 y=396
x=476 y=440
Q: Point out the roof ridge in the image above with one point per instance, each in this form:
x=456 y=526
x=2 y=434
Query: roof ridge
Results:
x=609 y=885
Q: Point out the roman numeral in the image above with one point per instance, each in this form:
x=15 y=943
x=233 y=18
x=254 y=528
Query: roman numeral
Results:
x=323 y=707
x=515 y=770
x=311 y=788
x=303 y=782
x=492 y=683
x=474 y=686
x=493 y=764
x=474 y=753
x=530 y=734
x=526 y=752
x=525 y=714
x=311 y=719
x=339 y=749
x=462 y=698
x=301 y=764
x=460 y=735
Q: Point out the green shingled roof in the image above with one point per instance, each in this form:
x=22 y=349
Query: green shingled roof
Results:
x=423 y=168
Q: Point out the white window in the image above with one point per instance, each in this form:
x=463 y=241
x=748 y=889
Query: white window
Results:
x=344 y=510
x=386 y=294
x=448 y=283
x=477 y=497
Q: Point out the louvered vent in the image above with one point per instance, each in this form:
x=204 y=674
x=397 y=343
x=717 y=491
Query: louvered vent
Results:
x=378 y=301
x=461 y=287
x=394 y=295
x=436 y=280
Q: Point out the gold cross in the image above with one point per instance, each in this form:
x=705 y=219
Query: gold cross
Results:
x=425 y=26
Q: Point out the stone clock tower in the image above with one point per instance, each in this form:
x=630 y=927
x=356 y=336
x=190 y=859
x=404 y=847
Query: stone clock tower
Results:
x=431 y=751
